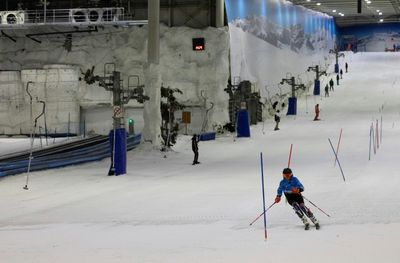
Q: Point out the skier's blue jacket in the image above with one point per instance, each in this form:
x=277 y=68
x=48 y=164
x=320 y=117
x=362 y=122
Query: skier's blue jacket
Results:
x=285 y=186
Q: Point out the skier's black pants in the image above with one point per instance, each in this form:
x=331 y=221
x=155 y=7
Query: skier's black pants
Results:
x=297 y=202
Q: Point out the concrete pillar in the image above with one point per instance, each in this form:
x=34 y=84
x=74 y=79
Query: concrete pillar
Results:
x=219 y=13
x=153 y=46
x=171 y=13
x=151 y=134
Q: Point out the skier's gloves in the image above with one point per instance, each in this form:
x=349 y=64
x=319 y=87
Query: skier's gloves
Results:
x=277 y=199
x=295 y=190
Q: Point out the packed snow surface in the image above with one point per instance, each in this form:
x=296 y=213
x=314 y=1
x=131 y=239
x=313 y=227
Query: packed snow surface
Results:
x=166 y=210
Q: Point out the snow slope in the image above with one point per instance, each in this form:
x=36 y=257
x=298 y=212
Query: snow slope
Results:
x=166 y=210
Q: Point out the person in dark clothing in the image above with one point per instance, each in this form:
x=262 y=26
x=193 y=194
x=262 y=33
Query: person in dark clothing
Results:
x=341 y=73
x=346 y=66
x=326 y=90
x=331 y=83
x=277 y=118
x=195 y=148
x=292 y=188
x=337 y=79
x=316 y=118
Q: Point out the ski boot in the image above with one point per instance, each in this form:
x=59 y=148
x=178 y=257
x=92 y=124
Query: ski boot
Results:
x=315 y=222
x=306 y=224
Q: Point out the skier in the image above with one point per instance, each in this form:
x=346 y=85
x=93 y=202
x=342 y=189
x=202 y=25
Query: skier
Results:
x=341 y=73
x=195 y=148
x=316 y=118
x=331 y=83
x=346 y=66
x=337 y=79
x=326 y=91
x=292 y=189
x=277 y=118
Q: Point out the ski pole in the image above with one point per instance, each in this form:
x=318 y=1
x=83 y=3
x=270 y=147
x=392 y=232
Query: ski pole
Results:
x=262 y=214
x=316 y=206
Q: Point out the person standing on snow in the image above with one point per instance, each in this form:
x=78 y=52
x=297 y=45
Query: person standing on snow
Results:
x=326 y=90
x=331 y=84
x=277 y=119
x=337 y=79
x=346 y=66
x=316 y=118
x=195 y=148
x=341 y=73
x=292 y=188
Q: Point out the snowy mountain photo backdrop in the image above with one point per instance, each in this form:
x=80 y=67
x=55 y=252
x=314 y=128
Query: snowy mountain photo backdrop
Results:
x=371 y=38
x=271 y=40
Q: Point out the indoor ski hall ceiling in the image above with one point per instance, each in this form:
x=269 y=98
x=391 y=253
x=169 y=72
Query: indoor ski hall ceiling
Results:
x=200 y=12
x=346 y=11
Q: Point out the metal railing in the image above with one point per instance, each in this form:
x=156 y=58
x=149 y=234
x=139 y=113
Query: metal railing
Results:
x=63 y=16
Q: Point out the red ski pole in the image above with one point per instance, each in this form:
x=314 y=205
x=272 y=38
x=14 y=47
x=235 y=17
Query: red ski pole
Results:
x=290 y=155
x=316 y=206
x=262 y=214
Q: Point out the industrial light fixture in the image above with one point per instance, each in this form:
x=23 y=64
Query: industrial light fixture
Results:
x=381 y=20
x=318 y=3
x=334 y=10
x=380 y=13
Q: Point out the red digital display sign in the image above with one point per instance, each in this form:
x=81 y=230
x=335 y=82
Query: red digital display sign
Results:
x=198 y=44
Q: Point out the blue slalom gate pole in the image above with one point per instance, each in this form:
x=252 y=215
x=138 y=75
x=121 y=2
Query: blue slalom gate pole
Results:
x=263 y=195
x=333 y=149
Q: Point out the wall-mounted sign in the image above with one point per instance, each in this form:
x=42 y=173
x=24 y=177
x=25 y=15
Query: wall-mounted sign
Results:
x=198 y=44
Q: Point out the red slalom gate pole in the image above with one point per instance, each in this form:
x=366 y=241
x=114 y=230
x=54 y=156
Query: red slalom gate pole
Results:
x=261 y=214
x=290 y=155
x=337 y=148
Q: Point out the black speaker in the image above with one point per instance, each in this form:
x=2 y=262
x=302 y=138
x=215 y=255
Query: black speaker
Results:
x=359 y=6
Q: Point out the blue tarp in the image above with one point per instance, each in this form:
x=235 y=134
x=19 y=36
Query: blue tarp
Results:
x=91 y=153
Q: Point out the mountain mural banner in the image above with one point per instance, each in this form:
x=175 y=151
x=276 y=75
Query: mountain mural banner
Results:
x=370 y=38
x=274 y=39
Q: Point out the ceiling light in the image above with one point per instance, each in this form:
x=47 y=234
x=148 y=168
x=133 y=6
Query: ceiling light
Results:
x=308 y=0
x=381 y=20
x=342 y=14
x=368 y=2
x=318 y=3
x=380 y=13
x=334 y=10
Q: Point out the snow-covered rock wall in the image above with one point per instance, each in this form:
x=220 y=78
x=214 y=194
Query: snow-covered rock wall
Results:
x=195 y=73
